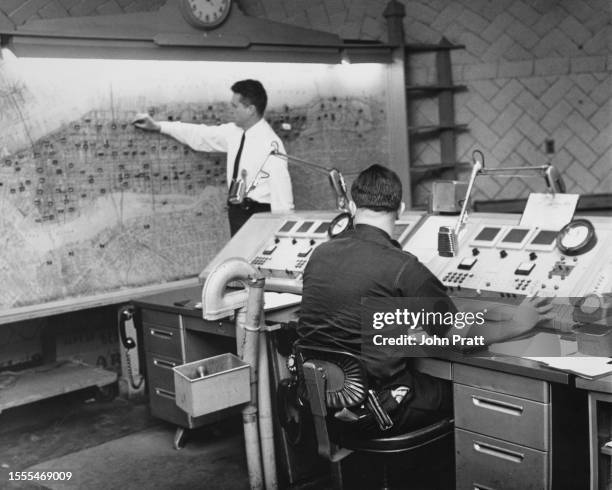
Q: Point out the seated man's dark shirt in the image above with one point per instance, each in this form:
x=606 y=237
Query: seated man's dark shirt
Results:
x=364 y=262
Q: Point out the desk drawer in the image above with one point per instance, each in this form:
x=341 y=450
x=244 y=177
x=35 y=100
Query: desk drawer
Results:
x=159 y=371
x=512 y=384
x=485 y=463
x=223 y=328
x=159 y=318
x=163 y=406
x=162 y=340
x=507 y=417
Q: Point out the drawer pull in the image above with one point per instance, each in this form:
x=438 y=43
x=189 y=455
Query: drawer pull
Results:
x=164 y=393
x=498 y=452
x=164 y=364
x=480 y=487
x=161 y=333
x=496 y=405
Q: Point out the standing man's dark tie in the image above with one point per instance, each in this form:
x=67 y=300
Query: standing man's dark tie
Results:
x=239 y=213
x=237 y=159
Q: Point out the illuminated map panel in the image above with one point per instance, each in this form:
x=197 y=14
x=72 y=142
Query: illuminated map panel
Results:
x=90 y=205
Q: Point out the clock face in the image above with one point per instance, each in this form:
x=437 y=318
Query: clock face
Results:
x=206 y=13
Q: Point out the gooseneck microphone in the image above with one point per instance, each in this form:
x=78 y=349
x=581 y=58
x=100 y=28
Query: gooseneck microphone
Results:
x=335 y=176
x=337 y=181
x=447 y=236
x=447 y=242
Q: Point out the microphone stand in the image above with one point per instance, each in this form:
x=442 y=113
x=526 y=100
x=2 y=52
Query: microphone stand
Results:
x=335 y=177
x=448 y=239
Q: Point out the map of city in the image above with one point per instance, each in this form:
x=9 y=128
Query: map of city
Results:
x=95 y=205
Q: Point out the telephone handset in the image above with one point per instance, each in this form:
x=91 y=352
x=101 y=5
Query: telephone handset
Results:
x=126 y=314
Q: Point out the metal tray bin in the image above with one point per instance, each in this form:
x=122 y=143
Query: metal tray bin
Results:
x=212 y=384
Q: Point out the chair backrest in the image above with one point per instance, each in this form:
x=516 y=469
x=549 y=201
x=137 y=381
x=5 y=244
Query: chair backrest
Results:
x=335 y=380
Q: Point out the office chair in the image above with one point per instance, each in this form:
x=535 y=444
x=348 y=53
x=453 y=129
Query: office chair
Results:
x=338 y=394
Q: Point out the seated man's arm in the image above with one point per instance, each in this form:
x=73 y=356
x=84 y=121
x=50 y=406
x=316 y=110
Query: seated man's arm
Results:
x=503 y=321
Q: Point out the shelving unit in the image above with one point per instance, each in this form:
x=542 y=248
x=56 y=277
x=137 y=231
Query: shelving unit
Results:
x=446 y=128
x=49 y=380
x=402 y=93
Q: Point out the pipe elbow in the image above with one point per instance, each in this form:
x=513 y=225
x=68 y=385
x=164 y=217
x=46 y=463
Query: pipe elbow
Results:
x=216 y=301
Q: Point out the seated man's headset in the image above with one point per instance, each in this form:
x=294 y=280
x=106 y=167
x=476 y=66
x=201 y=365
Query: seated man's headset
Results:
x=344 y=221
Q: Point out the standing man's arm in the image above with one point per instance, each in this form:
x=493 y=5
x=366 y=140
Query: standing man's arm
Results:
x=199 y=137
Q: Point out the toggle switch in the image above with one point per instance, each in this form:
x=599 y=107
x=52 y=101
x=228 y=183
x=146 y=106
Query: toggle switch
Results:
x=524 y=268
x=305 y=252
x=269 y=250
x=467 y=263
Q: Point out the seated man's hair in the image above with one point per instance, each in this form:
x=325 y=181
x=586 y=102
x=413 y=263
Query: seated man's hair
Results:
x=377 y=188
x=253 y=93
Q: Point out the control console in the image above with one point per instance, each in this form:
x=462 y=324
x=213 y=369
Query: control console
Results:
x=280 y=245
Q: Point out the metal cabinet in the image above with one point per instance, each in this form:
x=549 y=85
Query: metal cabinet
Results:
x=171 y=339
x=600 y=434
x=502 y=436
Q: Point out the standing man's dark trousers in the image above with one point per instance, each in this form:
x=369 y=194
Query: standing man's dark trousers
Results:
x=239 y=213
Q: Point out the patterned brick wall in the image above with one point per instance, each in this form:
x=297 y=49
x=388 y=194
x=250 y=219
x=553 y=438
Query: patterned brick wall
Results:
x=16 y=12
x=535 y=70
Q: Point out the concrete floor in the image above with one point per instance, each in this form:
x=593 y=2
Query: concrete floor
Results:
x=116 y=444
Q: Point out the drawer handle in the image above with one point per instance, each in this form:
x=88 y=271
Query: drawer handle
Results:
x=480 y=487
x=161 y=333
x=164 y=364
x=498 y=452
x=164 y=393
x=496 y=405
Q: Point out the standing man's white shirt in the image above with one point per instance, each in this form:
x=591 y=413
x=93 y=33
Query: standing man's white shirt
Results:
x=274 y=183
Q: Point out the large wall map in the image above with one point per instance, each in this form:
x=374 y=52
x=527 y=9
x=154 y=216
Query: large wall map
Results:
x=89 y=204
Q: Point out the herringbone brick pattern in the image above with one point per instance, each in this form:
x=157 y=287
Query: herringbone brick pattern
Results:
x=16 y=12
x=535 y=71
x=510 y=120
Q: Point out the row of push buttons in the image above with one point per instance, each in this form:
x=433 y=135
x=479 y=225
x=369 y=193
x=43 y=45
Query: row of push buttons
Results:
x=300 y=263
x=259 y=260
x=521 y=284
x=456 y=277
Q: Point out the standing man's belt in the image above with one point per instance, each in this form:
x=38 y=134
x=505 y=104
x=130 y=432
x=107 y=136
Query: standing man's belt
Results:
x=247 y=203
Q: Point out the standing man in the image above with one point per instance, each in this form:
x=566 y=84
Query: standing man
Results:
x=248 y=142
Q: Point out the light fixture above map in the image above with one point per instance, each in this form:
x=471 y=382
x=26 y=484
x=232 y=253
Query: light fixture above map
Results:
x=164 y=34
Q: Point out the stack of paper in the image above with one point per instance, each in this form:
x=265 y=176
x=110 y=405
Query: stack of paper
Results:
x=585 y=367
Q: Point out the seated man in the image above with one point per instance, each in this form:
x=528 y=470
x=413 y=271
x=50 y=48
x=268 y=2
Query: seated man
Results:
x=366 y=262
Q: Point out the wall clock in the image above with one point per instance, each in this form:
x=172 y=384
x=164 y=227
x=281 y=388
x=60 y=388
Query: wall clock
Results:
x=206 y=14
